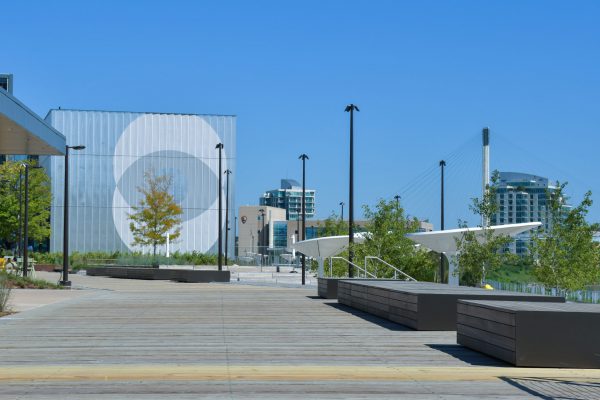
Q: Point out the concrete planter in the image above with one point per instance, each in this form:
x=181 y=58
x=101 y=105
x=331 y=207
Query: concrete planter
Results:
x=178 y=275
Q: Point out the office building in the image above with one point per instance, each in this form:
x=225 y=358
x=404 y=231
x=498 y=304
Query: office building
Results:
x=120 y=147
x=289 y=197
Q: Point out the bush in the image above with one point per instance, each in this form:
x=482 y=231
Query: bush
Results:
x=4 y=293
x=15 y=281
x=79 y=261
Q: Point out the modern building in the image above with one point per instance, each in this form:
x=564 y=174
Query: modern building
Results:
x=278 y=233
x=522 y=198
x=120 y=147
x=289 y=197
x=255 y=229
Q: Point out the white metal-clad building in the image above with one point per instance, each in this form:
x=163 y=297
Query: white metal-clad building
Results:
x=120 y=148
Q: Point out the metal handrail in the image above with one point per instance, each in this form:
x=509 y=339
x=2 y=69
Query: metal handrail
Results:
x=396 y=270
x=356 y=266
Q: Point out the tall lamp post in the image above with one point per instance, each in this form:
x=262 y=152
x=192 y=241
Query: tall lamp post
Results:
x=342 y=215
x=20 y=243
x=65 y=281
x=442 y=165
x=350 y=108
x=227 y=172
x=261 y=237
x=220 y=147
x=303 y=157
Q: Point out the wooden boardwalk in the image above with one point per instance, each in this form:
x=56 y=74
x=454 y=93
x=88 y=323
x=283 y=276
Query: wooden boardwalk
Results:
x=139 y=339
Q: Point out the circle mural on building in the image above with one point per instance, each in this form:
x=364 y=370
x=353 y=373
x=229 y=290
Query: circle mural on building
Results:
x=186 y=153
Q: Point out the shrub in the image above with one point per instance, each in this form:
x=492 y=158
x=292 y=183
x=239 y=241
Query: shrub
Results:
x=4 y=293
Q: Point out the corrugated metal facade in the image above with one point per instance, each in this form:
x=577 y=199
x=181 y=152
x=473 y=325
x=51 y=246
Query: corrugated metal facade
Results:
x=120 y=148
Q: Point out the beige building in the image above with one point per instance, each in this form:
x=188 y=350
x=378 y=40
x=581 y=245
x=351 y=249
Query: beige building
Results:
x=254 y=233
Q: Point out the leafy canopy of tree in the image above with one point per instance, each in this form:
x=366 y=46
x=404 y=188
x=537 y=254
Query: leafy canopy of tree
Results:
x=565 y=255
x=478 y=256
x=157 y=213
x=386 y=239
x=40 y=197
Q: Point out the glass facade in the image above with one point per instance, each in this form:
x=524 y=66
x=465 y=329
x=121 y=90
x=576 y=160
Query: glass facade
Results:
x=120 y=148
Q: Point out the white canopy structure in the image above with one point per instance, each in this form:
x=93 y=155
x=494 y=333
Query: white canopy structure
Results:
x=446 y=241
x=325 y=247
x=23 y=132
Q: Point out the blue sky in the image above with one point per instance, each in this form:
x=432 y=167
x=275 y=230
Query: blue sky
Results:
x=427 y=76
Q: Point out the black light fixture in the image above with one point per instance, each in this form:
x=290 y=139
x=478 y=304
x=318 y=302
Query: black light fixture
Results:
x=350 y=108
x=220 y=147
x=342 y=214
x=303 y=157
x=227 y=172
x=65 y=278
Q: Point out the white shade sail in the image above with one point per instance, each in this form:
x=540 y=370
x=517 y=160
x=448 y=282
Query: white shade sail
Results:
x=445 y=241
x=325 y=246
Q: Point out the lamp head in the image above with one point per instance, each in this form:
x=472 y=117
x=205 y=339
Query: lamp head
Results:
x=219 y=146
x=351 y=107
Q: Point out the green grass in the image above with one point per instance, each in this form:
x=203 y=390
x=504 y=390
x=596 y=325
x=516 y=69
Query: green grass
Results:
x=19 y=282
x=517 y=273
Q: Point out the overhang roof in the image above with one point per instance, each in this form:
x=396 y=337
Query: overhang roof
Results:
x=325 y=247
x=23 y=132
x=445 y=241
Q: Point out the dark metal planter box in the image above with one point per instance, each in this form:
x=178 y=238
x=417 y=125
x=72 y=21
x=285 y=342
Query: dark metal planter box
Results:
x=420 y=305
x=328 y=287
x=178 y=275
x=526 y=334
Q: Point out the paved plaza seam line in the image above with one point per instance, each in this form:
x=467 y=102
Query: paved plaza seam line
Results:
x=281 y=372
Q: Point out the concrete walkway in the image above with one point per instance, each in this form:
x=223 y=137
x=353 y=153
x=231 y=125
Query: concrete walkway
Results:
x=150 y=339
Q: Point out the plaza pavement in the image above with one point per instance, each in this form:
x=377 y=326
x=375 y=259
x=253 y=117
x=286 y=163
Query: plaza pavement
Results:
x=126 y=339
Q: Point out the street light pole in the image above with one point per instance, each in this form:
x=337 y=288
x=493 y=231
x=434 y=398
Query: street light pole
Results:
x=26 y=223
x=65 y=281
x=350 y=108
x=261 y=237
x=342 y=215
x=442 y=165
x=220 y=147
x=303 y=157
x=20 y=243
x=227 y=172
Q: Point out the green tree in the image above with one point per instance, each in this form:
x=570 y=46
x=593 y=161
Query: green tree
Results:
x=333 y=226
x=157 y=213
x=40 y=197
x=565 y=255
x=479 y=254
x=385 y=238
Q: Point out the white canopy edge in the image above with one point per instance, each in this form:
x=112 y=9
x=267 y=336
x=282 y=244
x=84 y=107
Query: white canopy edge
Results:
x=24 y=132
x=445 y=241
x=325 y=247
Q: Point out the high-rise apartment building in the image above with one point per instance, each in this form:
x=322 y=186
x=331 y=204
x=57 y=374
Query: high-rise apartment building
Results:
x=522 y=198
x=289 y=197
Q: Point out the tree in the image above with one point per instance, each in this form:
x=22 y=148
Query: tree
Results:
x=333 y=226
x=40 y=197
x=565 y=255
x=481 y=254
x=157 y=213
x=385 y=238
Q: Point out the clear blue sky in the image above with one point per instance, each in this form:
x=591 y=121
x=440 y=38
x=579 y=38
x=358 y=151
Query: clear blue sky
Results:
x=427 y=76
